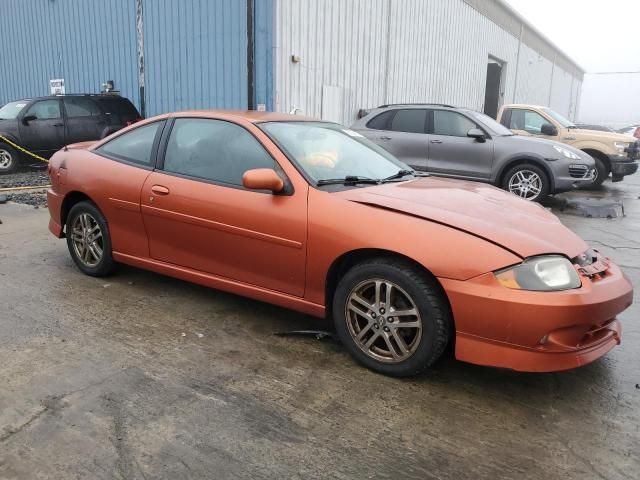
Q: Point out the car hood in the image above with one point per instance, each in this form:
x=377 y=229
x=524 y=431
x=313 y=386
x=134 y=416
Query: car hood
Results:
x=522 y=227
x=531 y=144
x=604 y=136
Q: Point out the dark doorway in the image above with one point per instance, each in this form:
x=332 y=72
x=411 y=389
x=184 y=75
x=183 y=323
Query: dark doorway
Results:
x=492 y=91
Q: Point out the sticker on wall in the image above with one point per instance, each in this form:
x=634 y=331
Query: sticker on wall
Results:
x=57 y=86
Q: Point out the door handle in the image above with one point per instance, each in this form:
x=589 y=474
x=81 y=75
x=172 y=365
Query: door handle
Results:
x=385 y=138
x=160 y=190
x=58 y=124
x=435 y=141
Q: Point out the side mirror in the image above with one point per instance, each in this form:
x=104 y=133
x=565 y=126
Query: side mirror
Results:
x=477 y=134
x=548 y=129
x=262 y=179
x=28 y=118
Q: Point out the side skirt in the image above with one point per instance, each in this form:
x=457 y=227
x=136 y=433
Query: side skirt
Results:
x=225 y=284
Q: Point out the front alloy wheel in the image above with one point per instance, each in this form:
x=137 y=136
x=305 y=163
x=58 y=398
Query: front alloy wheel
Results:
x=383 y=320
x=527 y=181
x=392 y=316
x=8 y=159
x=526 y=184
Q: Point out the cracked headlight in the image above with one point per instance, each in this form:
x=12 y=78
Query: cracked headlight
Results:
x=566 y=152
x=542 y=274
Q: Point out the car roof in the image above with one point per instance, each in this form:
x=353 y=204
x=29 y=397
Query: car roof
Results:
x=523 y=105
x=253 y=116
x=97 y=95
x=417 y=105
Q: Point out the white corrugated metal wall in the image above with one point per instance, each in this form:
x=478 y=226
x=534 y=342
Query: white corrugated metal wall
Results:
x=534 y=77
x=385 y=51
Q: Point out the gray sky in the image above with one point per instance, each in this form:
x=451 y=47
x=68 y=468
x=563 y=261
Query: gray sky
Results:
x=601 y=35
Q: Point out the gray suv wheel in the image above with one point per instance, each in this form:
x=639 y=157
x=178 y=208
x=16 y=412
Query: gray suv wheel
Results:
x=527 y=181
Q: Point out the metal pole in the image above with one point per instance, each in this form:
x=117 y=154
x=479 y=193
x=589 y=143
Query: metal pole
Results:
x=251 y=66
x=553 y=69
x=140 y=51
x=515 y=81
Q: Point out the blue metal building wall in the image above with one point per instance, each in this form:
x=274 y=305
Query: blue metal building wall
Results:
x=195 y=54
x=84 y=42
x=264 y=17
x=195 y=50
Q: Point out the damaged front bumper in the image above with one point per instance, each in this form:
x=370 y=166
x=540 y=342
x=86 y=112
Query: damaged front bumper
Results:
x=537 y=331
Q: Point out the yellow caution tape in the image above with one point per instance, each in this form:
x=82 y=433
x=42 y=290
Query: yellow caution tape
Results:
x=24 y=150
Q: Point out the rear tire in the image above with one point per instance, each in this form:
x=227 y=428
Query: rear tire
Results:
x=527 y=181
x=8 y=158
x=88 y=240
x=392 y=317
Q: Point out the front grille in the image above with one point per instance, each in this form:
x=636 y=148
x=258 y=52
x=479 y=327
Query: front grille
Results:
x=633 y=150
x=579 y=171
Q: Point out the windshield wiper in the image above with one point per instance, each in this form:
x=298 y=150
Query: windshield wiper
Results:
x=348 y=180
x=399 y=174
x=354 y=179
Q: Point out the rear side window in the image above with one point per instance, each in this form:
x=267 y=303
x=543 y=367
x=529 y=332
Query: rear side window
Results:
x=214 y=150
x=80 y=107
x=411 y=121
x=118 y=106
x=45 y=109
x=451 y=124
x=134 y=146
x=381 y=121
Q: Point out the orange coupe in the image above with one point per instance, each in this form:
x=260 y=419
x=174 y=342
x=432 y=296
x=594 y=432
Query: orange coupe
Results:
x=312 y=216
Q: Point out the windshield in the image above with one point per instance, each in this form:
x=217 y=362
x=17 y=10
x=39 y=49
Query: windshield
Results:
x=490 y=123
x=558 y=118
x=11 y=110
x=330 y=151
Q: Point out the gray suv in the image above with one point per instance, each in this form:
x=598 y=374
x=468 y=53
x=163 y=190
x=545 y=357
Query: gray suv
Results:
x=462 y=143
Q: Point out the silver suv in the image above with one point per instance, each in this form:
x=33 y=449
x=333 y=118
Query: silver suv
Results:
x=462 y=143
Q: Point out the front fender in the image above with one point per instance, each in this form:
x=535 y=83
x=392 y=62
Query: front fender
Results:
x=594 y=145
x=337 y=227
x=514 y=159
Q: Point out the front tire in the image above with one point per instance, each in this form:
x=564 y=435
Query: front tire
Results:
x=527 y=181
x=602 y=172
x=8 y=158
x=392 y=317
x=88 y=240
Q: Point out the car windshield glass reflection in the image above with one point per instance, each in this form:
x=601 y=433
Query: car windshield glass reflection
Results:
x=328 y=151
x=11 y=110
x=559 y=118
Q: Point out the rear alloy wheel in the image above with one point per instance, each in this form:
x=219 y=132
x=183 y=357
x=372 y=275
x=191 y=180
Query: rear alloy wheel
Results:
x=8 y=158
x=88 y=240
x=527 y=181
x=391 y=317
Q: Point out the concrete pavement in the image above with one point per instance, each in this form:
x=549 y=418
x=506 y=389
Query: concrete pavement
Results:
x=142 y=376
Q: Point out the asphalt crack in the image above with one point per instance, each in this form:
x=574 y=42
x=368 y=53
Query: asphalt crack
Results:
x=48 y=404
x=611 y=246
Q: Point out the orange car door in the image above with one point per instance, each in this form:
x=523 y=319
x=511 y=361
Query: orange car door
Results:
x=198 y=215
